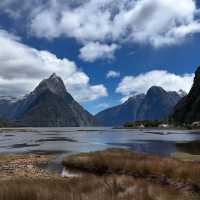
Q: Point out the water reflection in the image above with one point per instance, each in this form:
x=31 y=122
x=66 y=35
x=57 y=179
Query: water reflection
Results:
x=191 y=147
x=75 y=140
x=156 y=148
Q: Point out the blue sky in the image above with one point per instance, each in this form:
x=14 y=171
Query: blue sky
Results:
x=139 y=43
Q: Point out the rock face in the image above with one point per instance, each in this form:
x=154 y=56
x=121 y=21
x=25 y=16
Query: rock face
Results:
x=157 y=104
x=49 y=105
x=188 y=109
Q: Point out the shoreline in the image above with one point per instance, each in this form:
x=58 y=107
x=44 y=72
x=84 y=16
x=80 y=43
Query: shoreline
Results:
x=158 y=128
x=25 y=166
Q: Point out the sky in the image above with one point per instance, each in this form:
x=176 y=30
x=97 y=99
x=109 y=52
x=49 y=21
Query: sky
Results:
x=104 y=50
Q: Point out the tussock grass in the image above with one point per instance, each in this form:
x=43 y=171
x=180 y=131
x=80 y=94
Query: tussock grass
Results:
x=114 y=175
x=88 y=188
x=128 y=163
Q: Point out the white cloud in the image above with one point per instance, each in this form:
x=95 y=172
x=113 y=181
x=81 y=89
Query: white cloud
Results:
x=97 y=23
x=156 y=22
x=81 y=90
x=140 y=84
x=112 y=74
x=94 y=50
x=23 y=67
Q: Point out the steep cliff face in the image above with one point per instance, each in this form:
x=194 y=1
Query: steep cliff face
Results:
x=188 y=109
x=157 y=104
x=50 y=105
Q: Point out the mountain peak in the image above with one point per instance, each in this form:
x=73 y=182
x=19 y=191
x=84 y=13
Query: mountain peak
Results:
x=54 y=76
x=49 y=105
x=54 y=84
x=155 y=90
x=154 y=87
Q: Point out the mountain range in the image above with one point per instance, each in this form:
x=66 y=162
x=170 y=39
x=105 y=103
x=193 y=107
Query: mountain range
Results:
x=156 y=104
x=49 y=105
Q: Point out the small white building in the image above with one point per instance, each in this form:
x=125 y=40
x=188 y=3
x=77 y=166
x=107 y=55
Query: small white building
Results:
x=164 y=125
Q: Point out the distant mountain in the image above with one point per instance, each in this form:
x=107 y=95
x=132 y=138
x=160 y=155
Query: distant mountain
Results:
x=188 y=109
x=157 y=104
x=122 y=113
x=7 y=105
x=47 y=106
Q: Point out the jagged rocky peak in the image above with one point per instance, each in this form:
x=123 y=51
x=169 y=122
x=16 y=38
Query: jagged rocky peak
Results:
x=49 y=105
x=54 y=83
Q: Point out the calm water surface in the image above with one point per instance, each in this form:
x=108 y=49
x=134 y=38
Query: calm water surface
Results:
x=75 y=140
x=64 y=141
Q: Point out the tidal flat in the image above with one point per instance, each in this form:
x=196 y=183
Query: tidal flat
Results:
x=102 y=163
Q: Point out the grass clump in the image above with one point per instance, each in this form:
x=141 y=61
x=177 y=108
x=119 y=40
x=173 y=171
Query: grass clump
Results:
x=111 y=175
x=88 y=188
x=124 y=162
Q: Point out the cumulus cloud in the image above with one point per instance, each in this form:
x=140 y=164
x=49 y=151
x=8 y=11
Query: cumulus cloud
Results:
x=95 y=50
x=156 y=22
x=23 y=67
x=95 y=23
x=17 y=9
x=131 y=85
x=112 y=74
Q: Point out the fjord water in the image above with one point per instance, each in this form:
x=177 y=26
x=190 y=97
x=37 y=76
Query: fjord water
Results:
x=64 y=141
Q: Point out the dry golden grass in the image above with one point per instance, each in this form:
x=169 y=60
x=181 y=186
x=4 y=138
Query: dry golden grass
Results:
x=88 y=188
x=113 y=175
x=128 y=163
x=186 y=157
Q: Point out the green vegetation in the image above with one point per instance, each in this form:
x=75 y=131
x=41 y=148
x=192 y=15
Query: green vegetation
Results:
x=5 y=123
x=145 y=123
